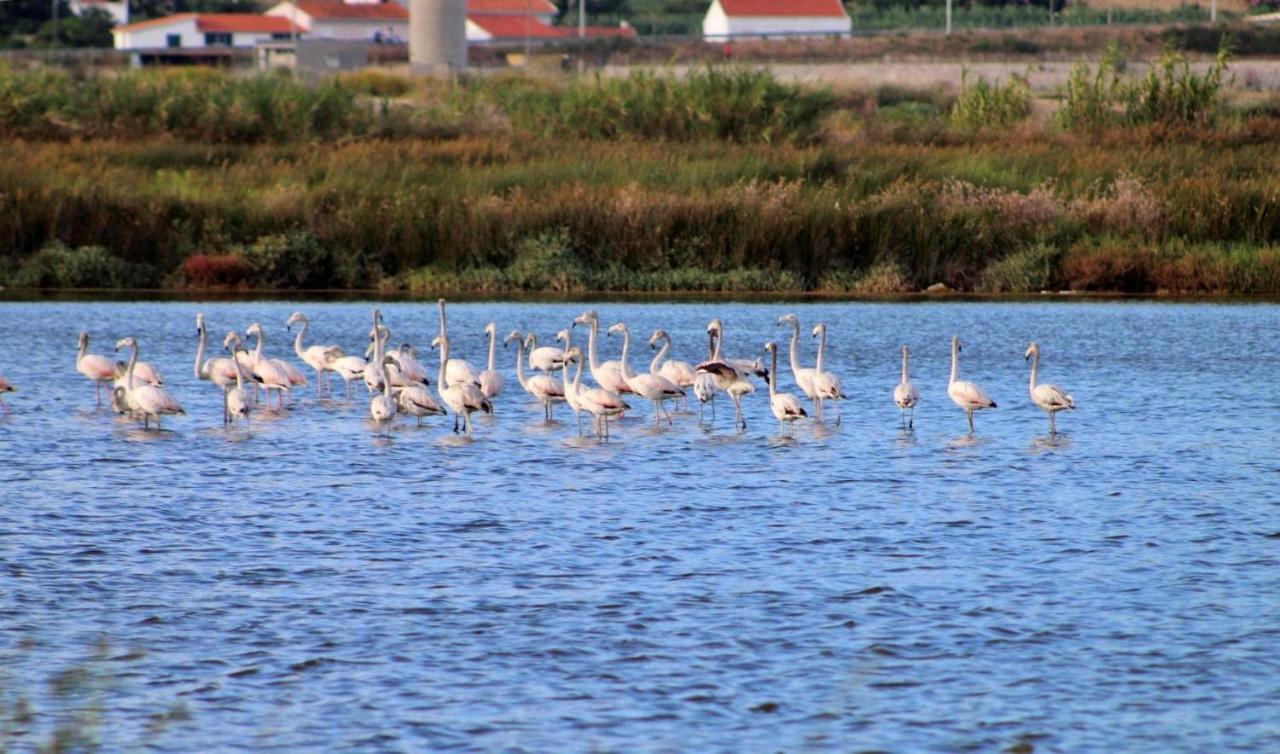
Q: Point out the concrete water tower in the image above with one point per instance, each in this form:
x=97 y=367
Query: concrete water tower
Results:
x=438 y=36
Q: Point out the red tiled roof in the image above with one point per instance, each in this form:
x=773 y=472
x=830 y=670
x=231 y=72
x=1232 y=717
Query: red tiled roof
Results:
x=220 y=22
x=510 y=7
x=244 y=22
x=805 y=8
x=512 y=27
x=336 y=9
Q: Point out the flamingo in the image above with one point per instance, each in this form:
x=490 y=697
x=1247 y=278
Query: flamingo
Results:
x=416 y=401
x=270 y=373
x=490 y=378
x=731 y=375
x=966 y=395
x=803 y=375
x=785 y=406
x=406 y=369
x=463 y=397
x=679 y=372
x=96 y=367
x=349 y=368
x=1051 y=398
x=218 y=370
x=905 y=394
x=570 y=386
x=316 y=357
x=600 y=403
x=382 y=407
x=650 y=386
x=704 y=383
x=6 y=387
x=543 y=387
x=147 y=400
x=608 y=374
x=544 y=359
x=459 y=369
x=235 y=400
x=826 y=384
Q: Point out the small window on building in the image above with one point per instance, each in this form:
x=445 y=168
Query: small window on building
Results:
x=281 y=35
x=220 y=38
x=173 y=40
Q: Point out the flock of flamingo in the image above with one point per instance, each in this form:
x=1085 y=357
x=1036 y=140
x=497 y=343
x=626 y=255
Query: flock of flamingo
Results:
x=400 y=384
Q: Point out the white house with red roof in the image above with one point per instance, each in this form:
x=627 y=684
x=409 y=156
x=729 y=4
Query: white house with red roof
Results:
x=543 y=10
x=335 y=19
x=727 y=19
x=193 y=31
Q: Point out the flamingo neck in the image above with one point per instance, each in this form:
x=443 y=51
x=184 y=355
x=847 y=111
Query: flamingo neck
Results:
x=592 y=334
x=626 y=346
x=257 y=350
x=444 y=359
x=577 y=379
x=955 y=361
x=84 y=348
x=905 y=374
x=133 y=360
x=656 y=364
x=718 y=339
x=520 y=364
x=773 y=373
x=795 y=348
x=297 y=342
x=201 y=373
x=493 y=342
x=822 y=347
x=239 y=372
x=1035 y=368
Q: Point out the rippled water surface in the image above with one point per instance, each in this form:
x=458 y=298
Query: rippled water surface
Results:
x=304 y=584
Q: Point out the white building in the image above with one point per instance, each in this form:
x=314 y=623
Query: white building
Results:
x=542 y=10
x=727 y=19
x=334 y=19
x=202 y=30
x=119 y=11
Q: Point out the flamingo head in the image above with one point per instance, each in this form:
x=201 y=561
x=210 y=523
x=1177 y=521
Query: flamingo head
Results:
x=619 y=327
x=233 y=338
x=84 y=339
x=254 y=329
x=295 y=318
x=574 y=354
x=513 y=335
x=377 y=317
x=819 y=329
x=760 y=369
x=771 y=347
x=563 y=335
x=586 y=318
x=128 y=342
x=788 y=319
x=955 y=343
x=1032 y=350
x=438 y=340
x=407 y=349
x=657 y=336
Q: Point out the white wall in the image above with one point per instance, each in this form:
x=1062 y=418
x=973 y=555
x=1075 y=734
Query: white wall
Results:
x=156 y=36
x=716 y=25
x=360 y=29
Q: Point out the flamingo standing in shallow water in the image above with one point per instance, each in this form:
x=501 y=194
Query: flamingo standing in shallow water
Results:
x=147 y=400
x=600 y=403
x=236 y=400
x=731 y=375
x=803 y=375
x=218 y=370
x=491 y=378
x=270 y=373
x=651 y=385
x=96 y=367
x=464 y=398
x=459 y=370
x=786 y=407
x=316 y=357
x=826 y=384
x=905 y=395
x=607 y=374
x=1051 y=398
x=543 y=387
x=545 y=358
x=966 y=395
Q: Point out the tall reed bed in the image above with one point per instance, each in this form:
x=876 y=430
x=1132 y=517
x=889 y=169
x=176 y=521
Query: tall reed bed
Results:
x=517 y=215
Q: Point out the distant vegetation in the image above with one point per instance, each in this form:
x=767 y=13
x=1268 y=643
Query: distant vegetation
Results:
x=1138 y=179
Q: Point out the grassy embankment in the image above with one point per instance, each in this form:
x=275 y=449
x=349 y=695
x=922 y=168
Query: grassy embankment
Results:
x=724 y=181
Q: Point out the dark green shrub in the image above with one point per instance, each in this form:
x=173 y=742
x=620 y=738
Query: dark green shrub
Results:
x=59 y=266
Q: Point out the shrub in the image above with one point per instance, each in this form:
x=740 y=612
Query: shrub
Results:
x=296 y=259
x=991 y=105
x=59 y=266
x=214 y=271
x=545 y=263
x=1026 y=270
x=1170 y=94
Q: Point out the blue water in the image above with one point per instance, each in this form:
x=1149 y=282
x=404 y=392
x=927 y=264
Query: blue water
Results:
x=306 y=585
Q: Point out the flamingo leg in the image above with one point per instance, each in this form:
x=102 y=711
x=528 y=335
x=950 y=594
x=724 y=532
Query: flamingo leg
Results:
x=837 y=402
x=1053 y=425
x=912 y=423
x=970 y=415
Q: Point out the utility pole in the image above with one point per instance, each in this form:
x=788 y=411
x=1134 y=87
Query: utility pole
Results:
x=1213 y=12
x=948 y=18
x=582 y=35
